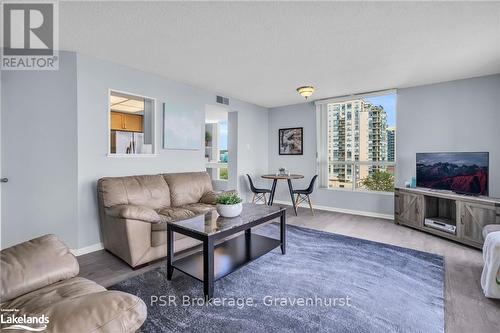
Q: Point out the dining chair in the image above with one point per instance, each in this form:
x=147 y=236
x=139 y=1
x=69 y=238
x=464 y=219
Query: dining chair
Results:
x=303 y=195
x=258 y=193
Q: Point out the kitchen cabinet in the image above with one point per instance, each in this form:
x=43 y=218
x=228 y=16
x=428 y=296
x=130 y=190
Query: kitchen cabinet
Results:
x=126 y=122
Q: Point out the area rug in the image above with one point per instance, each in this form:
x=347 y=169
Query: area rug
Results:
x=325 y=283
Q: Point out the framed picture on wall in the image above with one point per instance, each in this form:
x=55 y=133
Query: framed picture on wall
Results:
x=181 y=128
x=291 y=141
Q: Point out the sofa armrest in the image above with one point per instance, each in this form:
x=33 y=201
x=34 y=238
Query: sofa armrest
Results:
x=34 y=264
x=134 y=212
x=210 y=197
x=86 y=310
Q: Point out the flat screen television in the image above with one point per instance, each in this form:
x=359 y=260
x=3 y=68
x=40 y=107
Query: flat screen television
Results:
x=464 y=173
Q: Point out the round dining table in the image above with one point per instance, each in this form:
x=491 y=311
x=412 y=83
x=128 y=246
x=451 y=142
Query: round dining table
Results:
x=288 y=179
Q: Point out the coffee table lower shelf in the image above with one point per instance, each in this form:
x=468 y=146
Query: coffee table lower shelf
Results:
x=229 y=255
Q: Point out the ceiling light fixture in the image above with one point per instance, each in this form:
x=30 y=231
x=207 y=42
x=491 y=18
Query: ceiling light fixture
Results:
x=305 y=91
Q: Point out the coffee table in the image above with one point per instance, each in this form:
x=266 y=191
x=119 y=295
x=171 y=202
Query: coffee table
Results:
x=219 y=259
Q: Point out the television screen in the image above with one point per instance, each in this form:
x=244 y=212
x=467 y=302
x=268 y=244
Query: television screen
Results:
x=465 y=173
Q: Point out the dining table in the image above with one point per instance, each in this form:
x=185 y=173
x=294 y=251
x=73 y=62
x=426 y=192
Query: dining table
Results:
x=288 y=178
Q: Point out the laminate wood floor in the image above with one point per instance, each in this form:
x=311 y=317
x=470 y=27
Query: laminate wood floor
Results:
x=466 y=308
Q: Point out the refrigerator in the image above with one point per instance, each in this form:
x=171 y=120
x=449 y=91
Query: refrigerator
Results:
x=128 y=143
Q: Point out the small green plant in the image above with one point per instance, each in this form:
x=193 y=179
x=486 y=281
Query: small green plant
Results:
x=223 y=173
x=208 y=138
x=228 y=199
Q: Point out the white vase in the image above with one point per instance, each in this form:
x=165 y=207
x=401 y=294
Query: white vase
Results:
x=229 y=210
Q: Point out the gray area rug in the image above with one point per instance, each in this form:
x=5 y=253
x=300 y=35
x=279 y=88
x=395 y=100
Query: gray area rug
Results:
x=325 y=283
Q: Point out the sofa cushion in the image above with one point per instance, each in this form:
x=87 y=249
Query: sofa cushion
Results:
x=80 y=305
x=175 y=213
x=187 y=187
x=134 y=212
x=490 y=228
x=34 y=264
x=148 y=190
x=199 y=208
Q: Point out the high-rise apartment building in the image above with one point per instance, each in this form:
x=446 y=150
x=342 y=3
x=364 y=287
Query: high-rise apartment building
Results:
x=391 y=139
x=357 y=131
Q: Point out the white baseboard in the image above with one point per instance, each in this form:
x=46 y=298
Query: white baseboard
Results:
x=99 y=246
x=340 y=210
x=87 y=249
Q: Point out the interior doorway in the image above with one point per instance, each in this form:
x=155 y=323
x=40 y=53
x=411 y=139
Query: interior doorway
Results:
x=220 y=143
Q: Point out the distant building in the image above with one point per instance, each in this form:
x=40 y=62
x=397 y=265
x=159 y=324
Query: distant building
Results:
x=357 y=131
x=391 y=139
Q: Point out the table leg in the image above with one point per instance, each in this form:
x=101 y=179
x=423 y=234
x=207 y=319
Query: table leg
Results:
x=290 y=188
x=208 y=268
x=273 y=189
x=248 y=243
x=170 y=252
x=283 y=231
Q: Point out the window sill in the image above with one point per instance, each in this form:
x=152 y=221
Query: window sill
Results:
x=215 y=165
x=357 y=191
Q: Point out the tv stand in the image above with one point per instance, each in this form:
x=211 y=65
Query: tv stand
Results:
x=446 y=214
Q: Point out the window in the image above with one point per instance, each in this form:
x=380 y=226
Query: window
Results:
x=216 y=142
x=356 y=142
x=131 y=124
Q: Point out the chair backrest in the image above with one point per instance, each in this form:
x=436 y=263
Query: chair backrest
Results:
x=252 y=187
x=310 y=189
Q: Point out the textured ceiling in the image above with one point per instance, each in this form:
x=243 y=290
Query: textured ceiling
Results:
x=260 y=52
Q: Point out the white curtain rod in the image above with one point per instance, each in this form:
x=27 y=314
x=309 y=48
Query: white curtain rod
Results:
x=355 y=96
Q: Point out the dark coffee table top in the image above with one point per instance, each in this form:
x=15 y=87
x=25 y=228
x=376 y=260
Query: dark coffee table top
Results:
x=212 y=223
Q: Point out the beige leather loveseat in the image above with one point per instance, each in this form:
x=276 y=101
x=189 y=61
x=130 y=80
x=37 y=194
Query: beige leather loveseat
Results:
x=39 y=279
x=134 y=211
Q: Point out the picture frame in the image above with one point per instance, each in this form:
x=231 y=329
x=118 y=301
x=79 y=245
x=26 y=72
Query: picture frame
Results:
x=291 y=141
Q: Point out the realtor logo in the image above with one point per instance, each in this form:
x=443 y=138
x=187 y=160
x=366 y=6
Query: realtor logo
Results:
x=10 y=319
x=30 y=36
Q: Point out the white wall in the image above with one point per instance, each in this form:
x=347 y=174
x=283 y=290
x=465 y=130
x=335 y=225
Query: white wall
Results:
x=59 y=119
x=57 y=142
x=252 y=141
x=95 y=77
x=461 y=115
x=39 y=153
x=303 y=115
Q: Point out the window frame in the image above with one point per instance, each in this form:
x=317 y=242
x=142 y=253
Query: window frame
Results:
x=322 y=158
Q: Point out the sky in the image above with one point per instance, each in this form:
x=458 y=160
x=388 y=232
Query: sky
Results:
x=389 y=104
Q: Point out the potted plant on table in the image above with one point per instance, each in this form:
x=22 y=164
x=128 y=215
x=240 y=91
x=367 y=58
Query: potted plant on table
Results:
x=229 y=205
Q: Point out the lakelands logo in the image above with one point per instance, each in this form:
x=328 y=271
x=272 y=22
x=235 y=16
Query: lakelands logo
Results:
x=30 y=36
x=11 y=320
